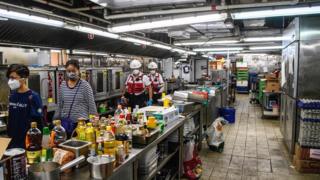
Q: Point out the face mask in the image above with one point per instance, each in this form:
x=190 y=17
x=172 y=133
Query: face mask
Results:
x=153 y=71
x=72 y=75
x=14 y=84
x=135 y=72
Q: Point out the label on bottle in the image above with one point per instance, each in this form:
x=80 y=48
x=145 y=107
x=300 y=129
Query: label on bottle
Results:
x=82 y=136
x=33 y=156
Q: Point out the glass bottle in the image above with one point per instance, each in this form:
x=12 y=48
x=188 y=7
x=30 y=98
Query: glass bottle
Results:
x=58 y=134
x=33 y=144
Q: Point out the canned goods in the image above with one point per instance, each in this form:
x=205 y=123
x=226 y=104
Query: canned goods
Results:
x=16 y=164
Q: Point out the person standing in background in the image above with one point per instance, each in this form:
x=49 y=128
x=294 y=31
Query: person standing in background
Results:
x=75 y=99
x=25 y=106
x=157 y=83
x=136 y=85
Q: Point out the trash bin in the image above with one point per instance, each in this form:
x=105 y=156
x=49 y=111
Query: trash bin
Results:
x=228 y=113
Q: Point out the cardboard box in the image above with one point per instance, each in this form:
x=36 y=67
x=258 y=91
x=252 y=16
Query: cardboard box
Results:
x=306 y=166
x=273 y=86
x=271 y=77
x=302 y=153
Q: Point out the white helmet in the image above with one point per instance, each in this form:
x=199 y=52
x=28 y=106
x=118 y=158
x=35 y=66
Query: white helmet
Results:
x=135 y=64
x=152 y=65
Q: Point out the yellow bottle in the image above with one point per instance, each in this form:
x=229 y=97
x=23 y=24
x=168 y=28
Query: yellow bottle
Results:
x=90 y=134
x=109 y=144
x=152 y=122
x=166 y=102
x=81 y=134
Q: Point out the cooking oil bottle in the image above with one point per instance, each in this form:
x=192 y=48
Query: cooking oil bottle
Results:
x=110 y=146
x=90 y=137
x=33 y=144
x=81 y=133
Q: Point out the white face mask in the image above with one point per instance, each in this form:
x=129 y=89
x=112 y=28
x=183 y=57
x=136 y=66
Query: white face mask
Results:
x=14 y=84
x=135 y=72
x=153 y=71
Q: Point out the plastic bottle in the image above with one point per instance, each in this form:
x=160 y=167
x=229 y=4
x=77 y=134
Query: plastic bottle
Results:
x=45 y=153
x=128 y=115
x=90 y=136
x=118 y=112
x=33 y=144
x=81 y=134
x=135 y=114
x=109 y=142
x=58 y=134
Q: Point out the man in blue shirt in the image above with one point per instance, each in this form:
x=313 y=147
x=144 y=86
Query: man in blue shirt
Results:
x=25 y=106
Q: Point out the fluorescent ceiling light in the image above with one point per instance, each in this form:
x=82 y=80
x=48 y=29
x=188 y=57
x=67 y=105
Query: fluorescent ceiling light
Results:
x=265 y=47
x=55 y=51
x=134 y=40
x=253 y=54
x=162 y=46
x=224 y=52
x=95 y=31
x=276 y=12
x=218 y=49
x=30 y=18
x=191 y=53
x=262 y=39
x=81 y=52
x=179 y=50
x=101 y=54
x=206 y=42
x=169 y=22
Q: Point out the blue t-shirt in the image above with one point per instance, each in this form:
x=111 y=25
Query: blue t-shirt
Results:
x=23 y=109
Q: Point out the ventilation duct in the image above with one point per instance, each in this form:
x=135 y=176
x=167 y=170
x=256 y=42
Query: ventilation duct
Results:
x=121 y=4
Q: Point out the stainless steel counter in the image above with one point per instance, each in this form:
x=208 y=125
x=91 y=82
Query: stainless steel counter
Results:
x=128 y=169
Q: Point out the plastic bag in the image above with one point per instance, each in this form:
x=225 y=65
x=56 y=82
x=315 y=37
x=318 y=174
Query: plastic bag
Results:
x=215 y=132
x=188 y=150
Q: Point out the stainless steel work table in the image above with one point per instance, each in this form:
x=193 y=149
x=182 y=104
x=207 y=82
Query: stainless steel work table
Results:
x=129 y=169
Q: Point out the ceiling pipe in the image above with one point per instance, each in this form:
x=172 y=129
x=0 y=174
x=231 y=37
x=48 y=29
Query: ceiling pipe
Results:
x=88 y=8
x=72 y=11
x=64 y=2
x=256 y=5
x=199 y=9
x=161 y=12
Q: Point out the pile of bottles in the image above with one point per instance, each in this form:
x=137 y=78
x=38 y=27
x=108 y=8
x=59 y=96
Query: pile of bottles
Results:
x=39 y=145
x=110 y=135
x=309 y=104
x=309 y=132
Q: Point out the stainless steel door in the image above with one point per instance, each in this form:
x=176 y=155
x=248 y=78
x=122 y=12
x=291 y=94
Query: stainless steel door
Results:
x=290 y=124
x=283 y=106
x=309 y=75
x=291 y=57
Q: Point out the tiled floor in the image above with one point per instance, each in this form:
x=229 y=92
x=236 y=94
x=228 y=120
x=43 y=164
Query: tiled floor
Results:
x=253 y=150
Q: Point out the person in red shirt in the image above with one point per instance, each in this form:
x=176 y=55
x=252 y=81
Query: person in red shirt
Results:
x=157 y=83
x=136 y=85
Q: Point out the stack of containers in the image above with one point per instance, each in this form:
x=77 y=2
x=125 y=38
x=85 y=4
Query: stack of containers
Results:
x=242 y=77
x=309 y=135
x=148 y=163
x=307 y=151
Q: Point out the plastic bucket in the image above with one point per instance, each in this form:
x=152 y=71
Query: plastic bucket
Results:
x=228 y=113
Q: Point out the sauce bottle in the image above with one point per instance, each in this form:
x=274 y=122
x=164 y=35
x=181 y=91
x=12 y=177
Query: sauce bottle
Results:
x=46 y=153
x=58 y=134
x=81 y=134
x=33 y=144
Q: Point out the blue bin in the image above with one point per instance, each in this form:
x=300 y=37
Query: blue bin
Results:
x=229 y=114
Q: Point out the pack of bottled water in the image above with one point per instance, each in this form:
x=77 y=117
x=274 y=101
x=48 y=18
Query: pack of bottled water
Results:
x=309 y=133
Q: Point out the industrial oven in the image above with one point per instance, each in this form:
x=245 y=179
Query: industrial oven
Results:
x=43 y=81
x=116 y=79
x=99 y=83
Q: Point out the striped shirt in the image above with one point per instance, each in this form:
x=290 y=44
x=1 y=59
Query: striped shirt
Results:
x=83 y=105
